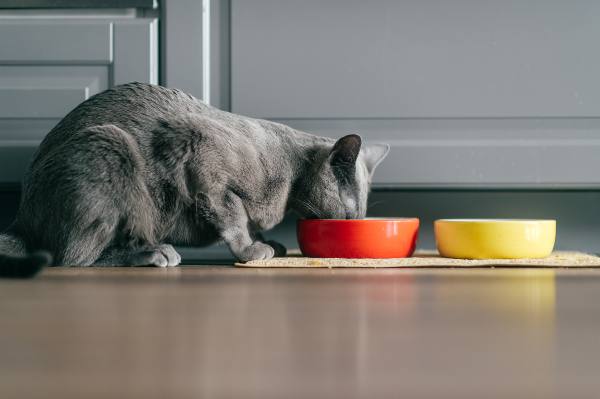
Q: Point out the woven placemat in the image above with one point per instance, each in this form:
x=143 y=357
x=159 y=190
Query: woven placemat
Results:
x=430 y=259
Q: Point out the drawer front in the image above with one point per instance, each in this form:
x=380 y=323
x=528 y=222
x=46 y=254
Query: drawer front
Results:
x=47 y=91
x=61 y=41
x=49 y=66
x=32 y=101
x=415 y=59
x=39 y=102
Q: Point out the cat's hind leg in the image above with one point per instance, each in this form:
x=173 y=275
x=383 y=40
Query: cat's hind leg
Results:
x=97 y=197
x=83 y=245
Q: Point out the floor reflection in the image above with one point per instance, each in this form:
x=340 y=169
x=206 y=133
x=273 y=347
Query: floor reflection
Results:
x=523 y=295
x=317 y=333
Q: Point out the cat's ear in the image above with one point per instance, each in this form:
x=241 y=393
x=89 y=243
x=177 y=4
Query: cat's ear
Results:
x=345 y=151
x=373 y=154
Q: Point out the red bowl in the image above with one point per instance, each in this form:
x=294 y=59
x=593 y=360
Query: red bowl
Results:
x=361 y=238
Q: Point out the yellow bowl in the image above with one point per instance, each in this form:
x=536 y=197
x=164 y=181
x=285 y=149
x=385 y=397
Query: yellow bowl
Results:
x=494 y=238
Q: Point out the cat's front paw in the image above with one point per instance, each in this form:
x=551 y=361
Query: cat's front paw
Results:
x=163 y=255
x=280 y=250
x=257 y=251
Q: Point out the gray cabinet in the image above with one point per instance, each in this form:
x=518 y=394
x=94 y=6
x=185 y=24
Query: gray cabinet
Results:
x=48 y=66
x=468 y=93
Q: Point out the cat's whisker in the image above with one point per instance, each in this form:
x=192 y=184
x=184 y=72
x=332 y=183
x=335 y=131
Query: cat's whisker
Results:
x=375 y=203
x=311 y=208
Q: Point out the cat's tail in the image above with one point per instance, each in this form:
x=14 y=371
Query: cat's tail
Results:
x=16 y=262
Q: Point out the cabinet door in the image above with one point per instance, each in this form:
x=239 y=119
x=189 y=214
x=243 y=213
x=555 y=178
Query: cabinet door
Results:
x=487 y=93
x=49 y=66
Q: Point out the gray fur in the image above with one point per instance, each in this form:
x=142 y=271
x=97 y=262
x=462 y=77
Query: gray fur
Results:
x=138 y=167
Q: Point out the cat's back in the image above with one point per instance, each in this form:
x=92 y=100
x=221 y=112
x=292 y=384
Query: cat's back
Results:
x=134 y=107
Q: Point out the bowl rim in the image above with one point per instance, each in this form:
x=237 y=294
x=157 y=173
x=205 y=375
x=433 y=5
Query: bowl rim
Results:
x=484 y=220
x=364 y=220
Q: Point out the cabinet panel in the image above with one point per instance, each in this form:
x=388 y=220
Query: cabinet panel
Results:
x=413 y=58
x=38 y=103
x=468 y=93
x=27 y=41
x=25 y=129
x=136 y=51
x=50 y=65
x=32 y=100
x=496 y=153
x=47 y=91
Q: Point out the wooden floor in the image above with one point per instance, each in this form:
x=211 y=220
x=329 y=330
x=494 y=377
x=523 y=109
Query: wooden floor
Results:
x=221 y=332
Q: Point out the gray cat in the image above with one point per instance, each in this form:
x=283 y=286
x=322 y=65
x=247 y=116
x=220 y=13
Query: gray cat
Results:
x=139 y=168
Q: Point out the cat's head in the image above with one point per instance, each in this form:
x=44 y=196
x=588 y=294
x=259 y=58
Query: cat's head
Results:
x=338 y=182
